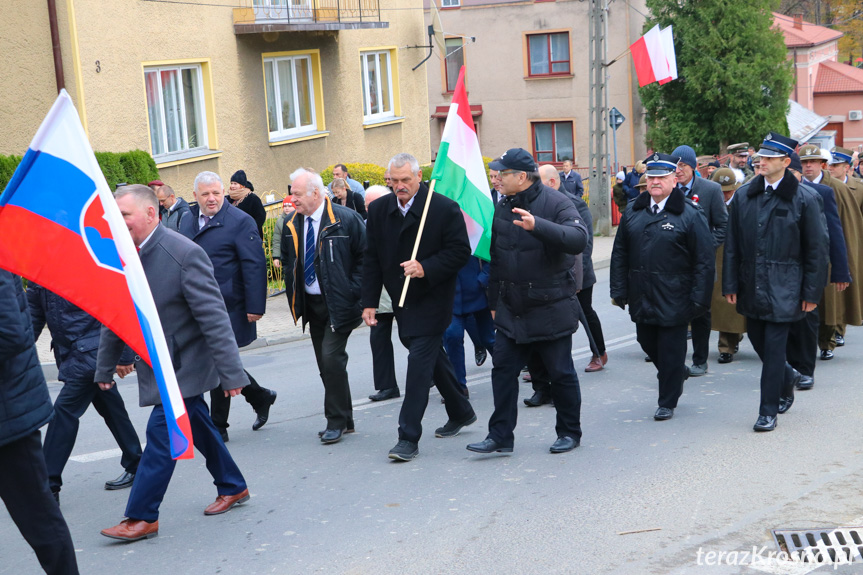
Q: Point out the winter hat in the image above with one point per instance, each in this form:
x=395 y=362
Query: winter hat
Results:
x=240 y=177
x=686 y=155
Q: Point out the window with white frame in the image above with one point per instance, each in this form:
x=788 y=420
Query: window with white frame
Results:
x=450 y=3
x=175 y=107
x=377 y=86
x=290 y=95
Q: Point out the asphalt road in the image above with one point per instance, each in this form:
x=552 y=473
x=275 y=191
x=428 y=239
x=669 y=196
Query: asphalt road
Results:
x=638 y=496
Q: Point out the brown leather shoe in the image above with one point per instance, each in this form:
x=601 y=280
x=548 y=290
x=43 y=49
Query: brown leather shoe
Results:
x=132 y=530
x=224 y=503
x=595 y=364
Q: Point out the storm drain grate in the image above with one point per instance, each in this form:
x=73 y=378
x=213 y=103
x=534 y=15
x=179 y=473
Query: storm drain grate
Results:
x=840 y=545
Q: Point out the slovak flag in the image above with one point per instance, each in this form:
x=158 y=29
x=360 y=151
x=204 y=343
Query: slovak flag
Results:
x=61 y=228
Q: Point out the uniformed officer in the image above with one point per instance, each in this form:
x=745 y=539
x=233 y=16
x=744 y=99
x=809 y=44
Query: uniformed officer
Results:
x=738 y=156
x=775 y=266
x=662 y=265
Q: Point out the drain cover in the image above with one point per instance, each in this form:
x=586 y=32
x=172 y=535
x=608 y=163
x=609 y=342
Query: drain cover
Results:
x=840 y=545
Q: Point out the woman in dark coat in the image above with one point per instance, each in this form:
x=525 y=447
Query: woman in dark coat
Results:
x=241 y=196
x=345 y=197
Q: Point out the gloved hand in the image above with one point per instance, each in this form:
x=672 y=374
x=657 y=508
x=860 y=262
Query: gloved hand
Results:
x=621 y=303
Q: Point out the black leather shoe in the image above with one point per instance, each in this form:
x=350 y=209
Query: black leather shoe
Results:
x=264 y=412
x=348 y=430
x=331 y=436
x=806 y=382
x=224 y=433
x=537 y=399
x=122 y=482
x=563 y=444
x=826 y=354
x=389 y=393
x=765 y=423
x=488 y=445
x=786 y=400
x=726 y=357
x=663 y=413
x=480 y=357
x=452 y=428
x=404 y=451
x=840 y=340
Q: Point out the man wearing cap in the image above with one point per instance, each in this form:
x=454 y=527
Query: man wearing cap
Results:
x=775 y=266
x=708 y=195
x=846 y=307
x=662 y=265
x=840 y=168
x=172 y=210
x=570 y=180
x=535 y=235
x=738 y=157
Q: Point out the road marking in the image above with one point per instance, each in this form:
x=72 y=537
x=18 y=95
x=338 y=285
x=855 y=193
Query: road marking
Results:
x=99 y=455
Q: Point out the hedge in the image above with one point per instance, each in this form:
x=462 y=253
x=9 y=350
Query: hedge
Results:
x=375 y=174
x=135 y=167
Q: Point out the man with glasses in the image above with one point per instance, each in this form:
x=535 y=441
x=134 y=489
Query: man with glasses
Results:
x=172 y=210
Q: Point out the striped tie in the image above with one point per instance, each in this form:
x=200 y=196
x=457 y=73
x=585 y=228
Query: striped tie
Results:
x=309 y=259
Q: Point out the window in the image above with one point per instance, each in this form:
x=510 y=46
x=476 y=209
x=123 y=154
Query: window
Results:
x=552 y=141
x=290 y=85
x=175 y=109
x=548 y=54
x=450 y=3
x=378 y=101
x=454 y=61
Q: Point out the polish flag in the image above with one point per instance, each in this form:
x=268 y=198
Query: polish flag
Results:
x=649 y=57
x=670 y=58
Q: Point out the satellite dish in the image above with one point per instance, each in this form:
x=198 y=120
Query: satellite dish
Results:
x=436 y=35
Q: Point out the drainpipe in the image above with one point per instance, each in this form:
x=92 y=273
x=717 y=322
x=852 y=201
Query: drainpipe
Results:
x=796 y=75
x=55 y=45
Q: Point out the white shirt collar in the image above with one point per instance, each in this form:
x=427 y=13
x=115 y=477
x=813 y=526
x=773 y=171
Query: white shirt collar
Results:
x=818 y=179
x=660 y=204
x=774 y=185
x=404 y=209
x=318 y=214
x=148 y=238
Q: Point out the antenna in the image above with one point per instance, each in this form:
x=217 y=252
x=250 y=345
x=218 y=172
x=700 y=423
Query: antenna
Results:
x=436 y=35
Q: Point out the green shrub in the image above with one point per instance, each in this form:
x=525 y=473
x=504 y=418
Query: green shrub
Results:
x=427 y=172
x=7 y=168
x=139 y=166
x=111 y=167
x=359 y=172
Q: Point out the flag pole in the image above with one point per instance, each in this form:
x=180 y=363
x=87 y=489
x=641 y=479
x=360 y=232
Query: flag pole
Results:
x=417 y=242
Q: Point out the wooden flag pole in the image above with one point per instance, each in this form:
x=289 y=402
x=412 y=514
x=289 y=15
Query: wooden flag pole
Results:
x=417 y=242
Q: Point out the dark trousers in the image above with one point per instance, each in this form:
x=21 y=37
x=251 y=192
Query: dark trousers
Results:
x=802 y=346
x=700 y=338
x=827 y=335
x=666 y=346
x=585 y=299
x=157 y=466
x=383 y=360
x=24 y=489
x=74 y=399
x=330 y=351
x=427 y=362
x=770 y=341
x=480 y=330
x=509 y=357
x=255 y=395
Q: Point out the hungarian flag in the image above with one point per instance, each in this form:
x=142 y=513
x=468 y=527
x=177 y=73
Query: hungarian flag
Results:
x=459 y=172
x=653 y=54
x=58 y=197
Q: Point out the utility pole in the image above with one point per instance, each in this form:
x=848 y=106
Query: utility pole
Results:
x=598 y=102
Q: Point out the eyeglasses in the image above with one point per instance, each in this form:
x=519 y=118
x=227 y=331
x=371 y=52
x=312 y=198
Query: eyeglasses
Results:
x=502 y=173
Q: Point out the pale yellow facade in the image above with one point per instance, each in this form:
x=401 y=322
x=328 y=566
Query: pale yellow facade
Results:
x=107 y=46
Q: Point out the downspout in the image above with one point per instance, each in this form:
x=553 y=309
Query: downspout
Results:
x=55 y=45
x=796 y=76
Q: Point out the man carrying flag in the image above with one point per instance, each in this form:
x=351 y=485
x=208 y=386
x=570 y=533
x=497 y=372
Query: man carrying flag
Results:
x=204 y=354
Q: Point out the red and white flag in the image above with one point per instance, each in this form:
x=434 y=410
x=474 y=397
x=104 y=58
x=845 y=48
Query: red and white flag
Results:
x=653 y=55
x=670 y=58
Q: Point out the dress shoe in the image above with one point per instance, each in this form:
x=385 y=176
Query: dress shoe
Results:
x=388 y=393
x=404 y=451
x=663 y=413
x=264 y=412
x=826 y=354
x=224 y=503
x=697 y=370
x=596 y=363
x=488 y=445
x=480 y=356
x=122 y=482
x=132 y=530
x=452 y=428
x=786 y=400
x=224 y=433
x=563 y=444
x=348 y=430
x=331 y=436
x=537 y=399
x=726 y=357
x=806 y=382
x=840 y=340
x=765 y=423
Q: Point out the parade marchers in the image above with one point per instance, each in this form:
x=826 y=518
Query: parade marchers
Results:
x=773 y=268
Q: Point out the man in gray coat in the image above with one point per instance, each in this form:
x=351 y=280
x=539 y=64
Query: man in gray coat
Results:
x=173 y=210
x=203 y=351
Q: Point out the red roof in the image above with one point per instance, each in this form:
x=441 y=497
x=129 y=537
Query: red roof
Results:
x=838 y=78
x=810 y=35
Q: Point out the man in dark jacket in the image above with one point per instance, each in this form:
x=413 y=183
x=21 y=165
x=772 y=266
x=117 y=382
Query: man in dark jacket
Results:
x=570 y=180
x=708 y=196
x=75 y=340
x=231 y=240
x=25 y=406
x=322 y=251
x=172 y=209
x=662 y=265
x=535 y=235
x=775 y=265
x=391 y=234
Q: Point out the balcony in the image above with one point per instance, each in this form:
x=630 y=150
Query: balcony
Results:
x=265 y=16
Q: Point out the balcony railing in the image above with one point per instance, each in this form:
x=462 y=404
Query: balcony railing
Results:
x=277 y=15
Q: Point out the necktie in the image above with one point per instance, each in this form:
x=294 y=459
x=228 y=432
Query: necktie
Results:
x=309 y=259
x=206 y=221
x=655 y=209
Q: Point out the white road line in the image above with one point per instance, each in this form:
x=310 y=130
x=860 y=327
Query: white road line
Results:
x=99 y=455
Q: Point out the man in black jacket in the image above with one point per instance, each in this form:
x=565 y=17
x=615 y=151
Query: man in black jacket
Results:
x=775 y=265
x=662 y=265
x=535 y=235
x=322 y=250
x=391 y=231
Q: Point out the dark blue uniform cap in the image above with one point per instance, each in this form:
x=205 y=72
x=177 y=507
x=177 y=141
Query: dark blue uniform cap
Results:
x=776 y=146
x=660 y=165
